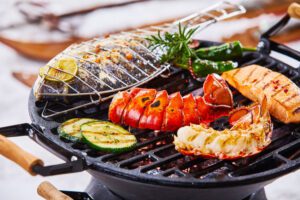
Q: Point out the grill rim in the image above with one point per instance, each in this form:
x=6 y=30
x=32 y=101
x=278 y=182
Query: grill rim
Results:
x=174 y=182
x=113 y=170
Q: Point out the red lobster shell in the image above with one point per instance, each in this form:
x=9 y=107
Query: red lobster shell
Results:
x=151 y=109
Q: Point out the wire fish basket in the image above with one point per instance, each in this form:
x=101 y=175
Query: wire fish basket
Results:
x=117 y=62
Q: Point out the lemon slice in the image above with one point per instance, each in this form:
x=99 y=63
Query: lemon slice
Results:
x=63 y=70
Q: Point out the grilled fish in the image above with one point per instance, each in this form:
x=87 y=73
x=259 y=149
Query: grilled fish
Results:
x=255 y=82
x=103 y=65
x=117 y=62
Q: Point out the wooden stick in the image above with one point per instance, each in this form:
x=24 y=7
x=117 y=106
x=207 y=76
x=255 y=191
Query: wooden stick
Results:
x=49 y=192
x=294 y=10
x=14 y=153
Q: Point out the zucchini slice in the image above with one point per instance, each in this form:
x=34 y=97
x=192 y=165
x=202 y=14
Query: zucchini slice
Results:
x=108 y=137
x=70 y=129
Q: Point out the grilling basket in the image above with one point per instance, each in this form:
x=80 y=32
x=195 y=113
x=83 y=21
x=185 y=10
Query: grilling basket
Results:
x=153 y=169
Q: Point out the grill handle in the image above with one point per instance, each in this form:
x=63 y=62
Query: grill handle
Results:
x=266 y=44
x=294 y=10
x=29 y=162
x=50 y=192
x=18 y=155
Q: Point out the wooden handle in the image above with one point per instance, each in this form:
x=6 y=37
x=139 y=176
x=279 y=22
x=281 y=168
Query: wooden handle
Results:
x=49 y=192
x=14 y=153
x=294 y=10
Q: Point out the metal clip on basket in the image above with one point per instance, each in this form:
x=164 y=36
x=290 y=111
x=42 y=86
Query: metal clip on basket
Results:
x=266 y=45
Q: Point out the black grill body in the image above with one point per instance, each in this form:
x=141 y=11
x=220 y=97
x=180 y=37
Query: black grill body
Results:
x=132 y=190
x=154 y=170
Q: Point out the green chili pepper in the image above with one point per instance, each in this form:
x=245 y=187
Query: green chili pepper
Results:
x=227 y=51
x=201 y=68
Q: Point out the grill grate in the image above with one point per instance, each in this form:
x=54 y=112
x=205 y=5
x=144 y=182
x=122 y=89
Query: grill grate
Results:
x=155 y=157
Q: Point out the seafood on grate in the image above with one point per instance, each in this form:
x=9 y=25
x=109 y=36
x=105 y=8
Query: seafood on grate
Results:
x=250 y=133
x=256 y=81
x=156 y=110
x=119 y=61
x=102 y=65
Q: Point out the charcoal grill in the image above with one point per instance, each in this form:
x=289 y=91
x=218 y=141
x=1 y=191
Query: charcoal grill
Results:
x=154 y=169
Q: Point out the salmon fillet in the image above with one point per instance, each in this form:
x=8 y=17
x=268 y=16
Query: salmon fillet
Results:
x=255 y=82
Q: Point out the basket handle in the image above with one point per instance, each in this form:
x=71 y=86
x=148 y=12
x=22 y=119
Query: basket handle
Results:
x=294 y=10
x=266 y=44
x=50 y=192
x=18 y=155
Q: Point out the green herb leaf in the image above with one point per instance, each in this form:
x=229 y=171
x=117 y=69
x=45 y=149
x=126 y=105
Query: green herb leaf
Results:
x=175 y=45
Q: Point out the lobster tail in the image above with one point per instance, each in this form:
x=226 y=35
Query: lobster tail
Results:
x=149 y=109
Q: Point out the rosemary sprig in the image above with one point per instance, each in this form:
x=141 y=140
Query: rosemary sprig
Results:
x=200 y=62
x=175 y=45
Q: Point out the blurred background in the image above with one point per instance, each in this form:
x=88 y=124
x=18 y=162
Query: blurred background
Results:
x=32 y=32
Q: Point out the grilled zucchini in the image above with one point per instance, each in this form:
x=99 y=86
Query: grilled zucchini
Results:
x=70 y=129
x=108 y=137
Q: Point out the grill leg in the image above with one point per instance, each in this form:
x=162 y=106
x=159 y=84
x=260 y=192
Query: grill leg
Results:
x=98 y=191
x=259 y=195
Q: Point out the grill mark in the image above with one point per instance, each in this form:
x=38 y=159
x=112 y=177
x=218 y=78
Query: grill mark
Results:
x=233 y=79
x=282 y=88
x=284 y=106
x=113 y=142
x=71 y=122
x=267 y=84
x=237 y=71
x=250 y=74
x=265 y=74
x=281 y=104
x=291 y=97
x=101 y=133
